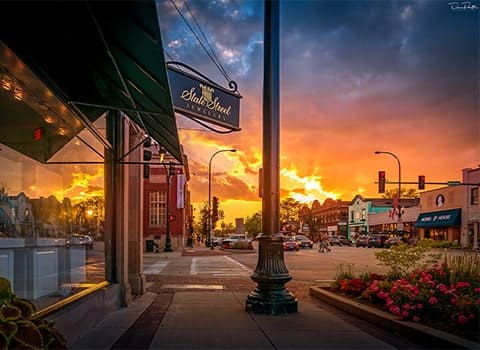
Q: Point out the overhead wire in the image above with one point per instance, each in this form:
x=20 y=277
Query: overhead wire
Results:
x=224 y=72
x=218 y=64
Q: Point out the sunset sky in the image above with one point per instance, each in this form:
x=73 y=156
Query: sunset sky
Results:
x=356 y=76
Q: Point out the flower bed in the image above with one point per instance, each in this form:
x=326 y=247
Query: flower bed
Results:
x=425 y=296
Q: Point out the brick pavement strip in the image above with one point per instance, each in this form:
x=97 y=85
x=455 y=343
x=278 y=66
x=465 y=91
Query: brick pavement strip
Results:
x=140 y=334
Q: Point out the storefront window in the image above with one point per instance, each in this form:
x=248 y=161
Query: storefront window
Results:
x=158 y=207
x=51 y=222
x=474 y=196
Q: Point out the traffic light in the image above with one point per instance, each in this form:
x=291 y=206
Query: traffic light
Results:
x=381 y=181
x=147 y=155
x=421 y=182
x=214 y=209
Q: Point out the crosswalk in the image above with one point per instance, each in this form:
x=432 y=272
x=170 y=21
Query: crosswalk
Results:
x=212 y=265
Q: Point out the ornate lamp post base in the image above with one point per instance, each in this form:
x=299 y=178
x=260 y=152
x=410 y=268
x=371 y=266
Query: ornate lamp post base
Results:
x=271 y=297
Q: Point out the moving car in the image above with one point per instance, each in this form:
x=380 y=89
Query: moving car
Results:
x=290 y=244
x=304 y=241
x=79 y=240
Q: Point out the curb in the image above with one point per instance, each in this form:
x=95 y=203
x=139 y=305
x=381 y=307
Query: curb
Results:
x=427 y=335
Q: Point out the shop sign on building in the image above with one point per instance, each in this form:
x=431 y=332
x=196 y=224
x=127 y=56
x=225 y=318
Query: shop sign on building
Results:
x=180 y=191
x=203 y=100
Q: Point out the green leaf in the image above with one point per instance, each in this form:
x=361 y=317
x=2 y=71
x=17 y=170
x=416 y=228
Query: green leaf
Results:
x=4 y=342
x=10 y=313
x=8 y=329
x=5 y=291
x=25 y=306
x=52 y=338
x=28 y=335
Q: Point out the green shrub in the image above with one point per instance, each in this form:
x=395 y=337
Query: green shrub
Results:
x=19 y=328
x=403 y=259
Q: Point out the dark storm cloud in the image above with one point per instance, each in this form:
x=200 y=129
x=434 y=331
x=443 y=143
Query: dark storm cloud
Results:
x=361 y=42
x=233 y=29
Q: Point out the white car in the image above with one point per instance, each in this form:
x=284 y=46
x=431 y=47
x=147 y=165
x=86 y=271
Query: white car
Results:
x=232 y=239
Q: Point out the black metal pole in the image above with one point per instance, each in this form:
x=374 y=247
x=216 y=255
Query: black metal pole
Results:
x=271 y=297
x=168 y=243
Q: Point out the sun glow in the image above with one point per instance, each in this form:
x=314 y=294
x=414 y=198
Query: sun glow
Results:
x=83 y=186
x=304 y=189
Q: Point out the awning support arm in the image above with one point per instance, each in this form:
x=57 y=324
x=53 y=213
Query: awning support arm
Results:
x=90 y=146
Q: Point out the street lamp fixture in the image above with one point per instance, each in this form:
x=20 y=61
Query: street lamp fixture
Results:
x=209 y=216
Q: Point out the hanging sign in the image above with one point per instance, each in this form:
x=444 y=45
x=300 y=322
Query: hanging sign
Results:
x=200 y=99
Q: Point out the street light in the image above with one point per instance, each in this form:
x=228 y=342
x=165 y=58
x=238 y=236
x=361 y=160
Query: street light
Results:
x=209 y=216
x=169 y=173
x=399 y=186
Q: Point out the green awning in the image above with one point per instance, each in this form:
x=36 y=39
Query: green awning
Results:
x=444 y=218
x=95 y=56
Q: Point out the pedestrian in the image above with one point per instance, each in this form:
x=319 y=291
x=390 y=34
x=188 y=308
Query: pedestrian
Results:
x=323 y=243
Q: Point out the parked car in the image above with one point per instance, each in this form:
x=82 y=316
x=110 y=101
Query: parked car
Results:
x=376 y=241
x=361 y=241
x=339 y=240
x=303 y=241
x=393 y=241
x=79 y=240
x=232 y=241
x=290 y=243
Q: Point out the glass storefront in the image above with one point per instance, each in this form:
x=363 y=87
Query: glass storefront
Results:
x=52 y=220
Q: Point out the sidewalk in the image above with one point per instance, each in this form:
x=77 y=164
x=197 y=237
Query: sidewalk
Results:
x=210 y=313
x=218 y=320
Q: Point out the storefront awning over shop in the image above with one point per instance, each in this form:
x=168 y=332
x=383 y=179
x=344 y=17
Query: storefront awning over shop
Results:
x=444 y=218
x=94 y=56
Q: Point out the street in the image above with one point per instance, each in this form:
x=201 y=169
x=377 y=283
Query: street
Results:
x=305 y=265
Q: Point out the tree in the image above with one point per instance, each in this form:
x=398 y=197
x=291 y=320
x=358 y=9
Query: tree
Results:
x=405 y=193
x=253 y=224
x=289 y=210
x=200 y=225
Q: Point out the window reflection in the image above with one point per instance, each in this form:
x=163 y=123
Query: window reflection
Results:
x=52 y=223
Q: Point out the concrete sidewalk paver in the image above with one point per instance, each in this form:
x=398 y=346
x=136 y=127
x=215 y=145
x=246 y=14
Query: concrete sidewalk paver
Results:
x=218 y=320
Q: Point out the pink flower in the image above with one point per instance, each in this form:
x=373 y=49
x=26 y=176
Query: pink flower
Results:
x=442 y=288
x=416 y=318
x=395 y=310
x=419 y=306
x=406 y=306
x=453 y=301
x=432 y=300
x=462 y=319
x=462 y=284
x=477 y=290
x=405 y=314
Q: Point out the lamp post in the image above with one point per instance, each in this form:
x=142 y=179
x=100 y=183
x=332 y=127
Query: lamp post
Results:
x=399 y=224
x=209 y=216
x=169 y=173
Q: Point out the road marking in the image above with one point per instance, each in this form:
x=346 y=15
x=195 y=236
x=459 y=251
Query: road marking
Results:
x=193 y=267
x=218 y=266
x=155 y=268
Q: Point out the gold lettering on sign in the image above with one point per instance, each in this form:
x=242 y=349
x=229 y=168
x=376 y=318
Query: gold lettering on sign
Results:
x=205 y=100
